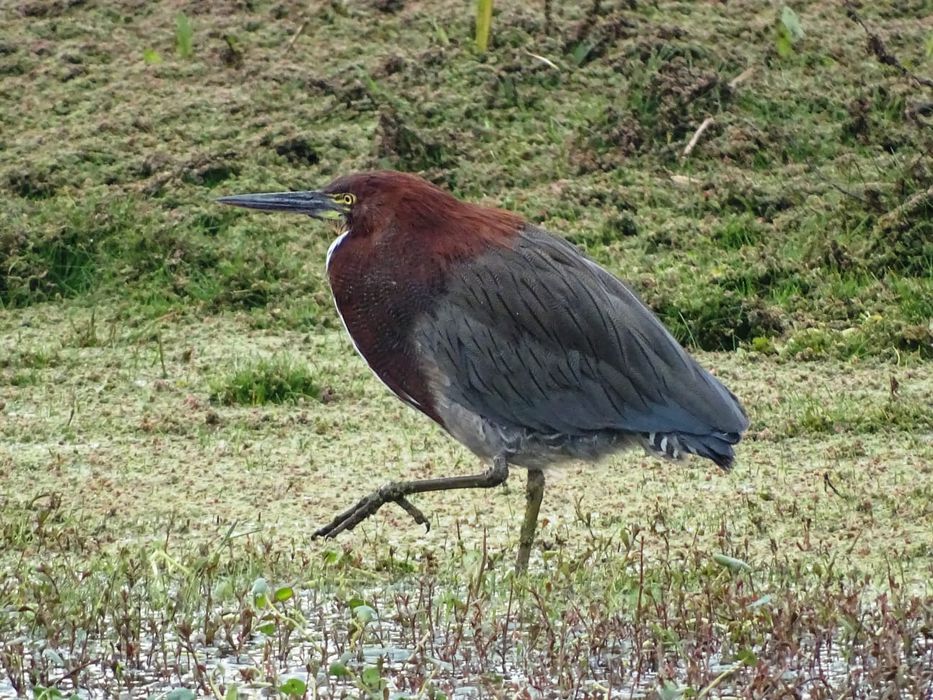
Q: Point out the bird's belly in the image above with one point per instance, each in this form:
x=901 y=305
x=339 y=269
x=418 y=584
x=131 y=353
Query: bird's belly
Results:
x=527 y=448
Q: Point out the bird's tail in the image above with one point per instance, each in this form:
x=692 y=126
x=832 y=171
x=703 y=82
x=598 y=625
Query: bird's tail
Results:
x=714 y=446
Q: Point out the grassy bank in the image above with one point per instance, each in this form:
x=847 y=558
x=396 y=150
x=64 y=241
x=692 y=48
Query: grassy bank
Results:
x=799 y=221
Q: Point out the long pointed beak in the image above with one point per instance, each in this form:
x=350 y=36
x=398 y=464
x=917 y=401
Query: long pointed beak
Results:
x=316 y=204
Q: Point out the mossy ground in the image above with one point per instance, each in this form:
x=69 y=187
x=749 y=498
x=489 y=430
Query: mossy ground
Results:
x=147 y=337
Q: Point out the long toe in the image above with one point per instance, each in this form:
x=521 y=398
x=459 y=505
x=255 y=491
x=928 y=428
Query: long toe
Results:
x=350 y=518
x=414 y=512
x=368 y=506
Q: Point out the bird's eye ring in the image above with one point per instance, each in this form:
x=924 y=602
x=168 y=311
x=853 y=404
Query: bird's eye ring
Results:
x=347 y=198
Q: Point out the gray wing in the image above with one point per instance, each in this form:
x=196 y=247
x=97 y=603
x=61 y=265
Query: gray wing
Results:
x=540 y=337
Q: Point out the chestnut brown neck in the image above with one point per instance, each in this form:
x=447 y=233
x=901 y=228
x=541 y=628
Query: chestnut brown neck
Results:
x=393 y=264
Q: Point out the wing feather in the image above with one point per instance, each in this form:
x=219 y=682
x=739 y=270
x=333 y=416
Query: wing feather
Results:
x=553 y=343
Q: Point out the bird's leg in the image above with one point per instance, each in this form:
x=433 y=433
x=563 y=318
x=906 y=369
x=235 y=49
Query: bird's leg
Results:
x=396 y=492
x=533 y=495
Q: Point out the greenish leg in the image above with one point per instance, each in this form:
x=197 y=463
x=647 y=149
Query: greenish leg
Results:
x=533 y=495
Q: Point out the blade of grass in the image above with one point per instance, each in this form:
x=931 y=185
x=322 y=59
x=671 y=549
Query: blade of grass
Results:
x=483 y=24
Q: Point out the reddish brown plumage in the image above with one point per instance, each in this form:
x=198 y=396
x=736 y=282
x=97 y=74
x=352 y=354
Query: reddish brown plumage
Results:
x=402 y=236
x=441 y=225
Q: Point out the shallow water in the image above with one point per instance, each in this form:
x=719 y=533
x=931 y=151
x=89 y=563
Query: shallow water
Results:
x=337 y=653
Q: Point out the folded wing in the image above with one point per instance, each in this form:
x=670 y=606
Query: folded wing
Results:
x=540 y=337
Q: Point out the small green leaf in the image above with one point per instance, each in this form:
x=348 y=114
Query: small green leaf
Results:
x=151 y=56
x=581 y=51
x=788 y=32
x=53 y=656
x=260 y=592
x=331 y=557
x=747 y=657
x=782 y=43
x=293 y=687
x=42 y=693
x=371 y=84
x=670 y=691
x=731 y=562
x=338 y=670
x=284 y=593
x=184 y=36
x=371 y=677
x=791 y=21
x=363 y=614
x=441 y=35
x=232 y=693
x=267 y=628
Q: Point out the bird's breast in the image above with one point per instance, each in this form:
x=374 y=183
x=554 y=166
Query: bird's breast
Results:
x=379 y=305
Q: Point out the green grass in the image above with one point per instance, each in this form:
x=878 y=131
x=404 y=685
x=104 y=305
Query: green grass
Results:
x=824 y=414
x=275 y=380
x=179 y=407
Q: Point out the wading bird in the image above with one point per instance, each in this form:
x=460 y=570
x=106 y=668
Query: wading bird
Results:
x=511 y=339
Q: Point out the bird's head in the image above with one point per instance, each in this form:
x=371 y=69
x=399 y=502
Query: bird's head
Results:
x=372 y=203
x=360 y=197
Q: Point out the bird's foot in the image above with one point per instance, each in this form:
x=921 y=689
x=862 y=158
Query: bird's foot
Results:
x=367 y=506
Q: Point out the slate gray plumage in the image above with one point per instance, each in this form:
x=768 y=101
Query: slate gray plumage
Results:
x=539 y=354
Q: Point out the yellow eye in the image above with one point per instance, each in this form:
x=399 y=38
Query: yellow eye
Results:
x=347 y=198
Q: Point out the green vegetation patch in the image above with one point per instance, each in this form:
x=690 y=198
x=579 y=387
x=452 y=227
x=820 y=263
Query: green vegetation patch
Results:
x=278 y=379
x=144 y=506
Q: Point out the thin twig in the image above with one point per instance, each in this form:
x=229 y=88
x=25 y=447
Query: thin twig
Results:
x=161 y=355
x=641 y=588
x=716 y=681
x=877 y=47
x=75 y=671
x=298 y=33
x=543 y=59
x=696 y=136
x=741 y=77
x=829 y=485
x=847 y=193
x=733 y=85
x=71 y=413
